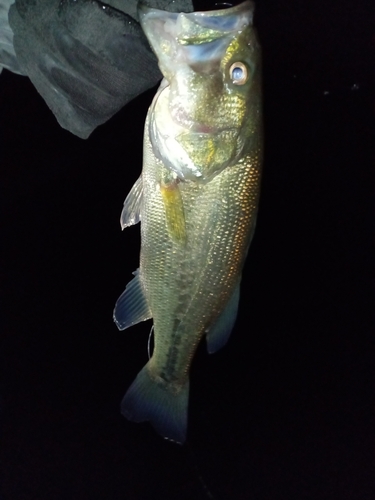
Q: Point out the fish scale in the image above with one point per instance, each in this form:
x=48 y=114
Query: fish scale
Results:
x=177 y=266
x=197 y=200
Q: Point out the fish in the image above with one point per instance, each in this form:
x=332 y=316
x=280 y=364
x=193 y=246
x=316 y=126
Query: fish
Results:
x=197 y=200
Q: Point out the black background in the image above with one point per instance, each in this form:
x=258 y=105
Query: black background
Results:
x=285 y=411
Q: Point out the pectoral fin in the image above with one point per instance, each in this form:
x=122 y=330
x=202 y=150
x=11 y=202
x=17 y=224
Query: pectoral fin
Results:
x=218 y=335
x=131 y=307
x=174 y=210
x=131 y=212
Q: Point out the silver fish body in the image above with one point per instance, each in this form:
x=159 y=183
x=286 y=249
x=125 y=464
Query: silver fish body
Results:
x=197 y=216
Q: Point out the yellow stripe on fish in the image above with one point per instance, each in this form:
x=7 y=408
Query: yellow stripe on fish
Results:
x=174 y=211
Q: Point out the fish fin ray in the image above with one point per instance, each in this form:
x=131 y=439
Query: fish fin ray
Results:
x=131 y=307
x=152 y=400
x=218 y=335
x=131 y=212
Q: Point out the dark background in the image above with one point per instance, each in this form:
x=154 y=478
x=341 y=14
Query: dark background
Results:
x=285 y=411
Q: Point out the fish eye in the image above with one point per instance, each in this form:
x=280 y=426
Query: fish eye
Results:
x=238 y=73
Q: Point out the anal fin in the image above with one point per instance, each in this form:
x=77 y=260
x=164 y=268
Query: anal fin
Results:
x=218 y=335
x=131 y=307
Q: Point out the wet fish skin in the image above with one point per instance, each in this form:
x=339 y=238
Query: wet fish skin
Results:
x=198 y=137
x=197 y=219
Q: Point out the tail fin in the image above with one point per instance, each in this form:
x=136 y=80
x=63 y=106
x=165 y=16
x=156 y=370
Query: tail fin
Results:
x=149 y=399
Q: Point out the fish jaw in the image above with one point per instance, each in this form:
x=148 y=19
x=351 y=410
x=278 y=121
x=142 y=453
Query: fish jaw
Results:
x=200 y=121
x=169 y=32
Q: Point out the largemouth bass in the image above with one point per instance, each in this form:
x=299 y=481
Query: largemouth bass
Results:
x=197 y=200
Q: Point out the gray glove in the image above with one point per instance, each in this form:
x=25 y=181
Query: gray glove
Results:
x=8 y=58
x=86 y=58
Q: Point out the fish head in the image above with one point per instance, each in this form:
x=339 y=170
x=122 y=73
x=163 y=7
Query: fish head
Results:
x=204 y=114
